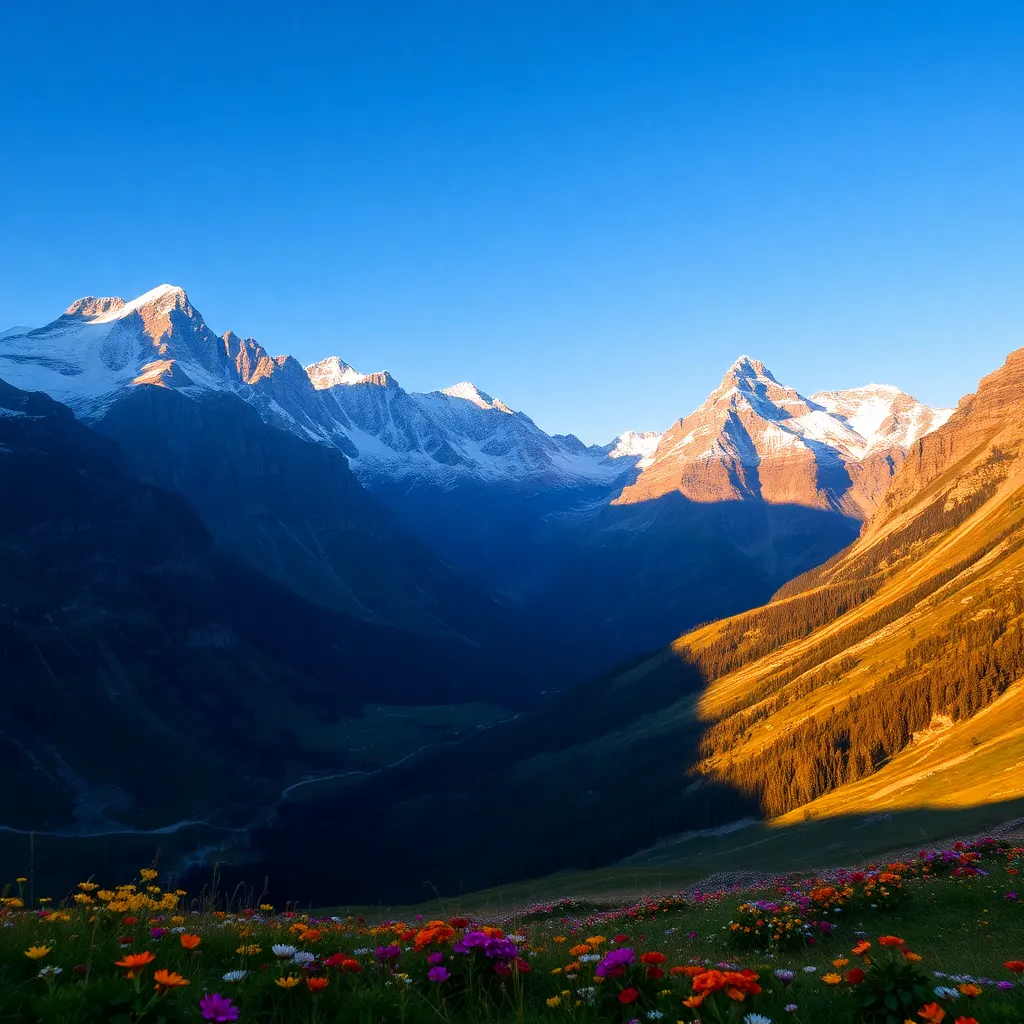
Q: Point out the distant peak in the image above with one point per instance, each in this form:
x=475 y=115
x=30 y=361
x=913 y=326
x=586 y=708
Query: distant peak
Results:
x=332 y=371
x=469 y=392
x=159 y=300
x=745 y=367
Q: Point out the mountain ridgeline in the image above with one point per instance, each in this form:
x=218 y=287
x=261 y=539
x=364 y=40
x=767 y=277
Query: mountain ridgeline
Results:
x=449 y=512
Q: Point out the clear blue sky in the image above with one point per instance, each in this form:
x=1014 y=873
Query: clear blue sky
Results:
x=588 y=209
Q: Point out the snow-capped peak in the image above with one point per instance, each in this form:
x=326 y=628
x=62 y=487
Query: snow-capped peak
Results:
x=745 y=367
x=331 y=372
x=471 y=393
x=633 y=443
x=105 y=310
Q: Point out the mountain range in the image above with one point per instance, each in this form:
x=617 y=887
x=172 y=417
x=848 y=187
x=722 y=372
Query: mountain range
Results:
x=622 y=544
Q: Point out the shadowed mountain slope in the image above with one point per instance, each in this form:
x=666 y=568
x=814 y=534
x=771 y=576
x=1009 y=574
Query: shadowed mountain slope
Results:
x=149 y=676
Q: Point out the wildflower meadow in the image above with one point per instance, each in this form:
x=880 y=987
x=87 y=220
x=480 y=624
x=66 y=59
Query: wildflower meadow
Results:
x=937 y=937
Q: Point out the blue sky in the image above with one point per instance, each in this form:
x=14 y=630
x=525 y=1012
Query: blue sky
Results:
x=588 y=209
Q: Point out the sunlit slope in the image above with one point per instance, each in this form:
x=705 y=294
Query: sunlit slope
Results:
x=948 y=766
x=886 y=677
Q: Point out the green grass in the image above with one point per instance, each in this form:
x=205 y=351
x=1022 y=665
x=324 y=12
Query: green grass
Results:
x=962 y=926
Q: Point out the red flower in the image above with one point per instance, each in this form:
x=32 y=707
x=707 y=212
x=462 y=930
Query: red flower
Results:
x=622 y=938
x=1017 y=966
x=653 y=958
x=523 y=966
x=628 y=995
x=654 y=972
x=336 y=960
x=855 y=975
x=130 y=921
x=459 y=922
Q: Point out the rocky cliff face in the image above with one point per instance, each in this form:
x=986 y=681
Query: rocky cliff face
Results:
x=755 y=439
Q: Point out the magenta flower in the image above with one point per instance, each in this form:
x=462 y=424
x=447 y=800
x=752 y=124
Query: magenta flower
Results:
x=435 y=958
x=214 y=1006
x=438 y=974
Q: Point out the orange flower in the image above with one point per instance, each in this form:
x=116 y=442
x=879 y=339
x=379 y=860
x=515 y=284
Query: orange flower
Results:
x=914 y=958
x=133 y=961
x=862 y=947
x=168 y=979
x=580 y=949
x=890 y=940
x=831 y=978
x=310 y=935
x=932 y=1013
x=708 y=981
x=693 y=1001
x=971 y=991
x=690 y=970
x=316 y=984
x=435 y=932
x=189 y=941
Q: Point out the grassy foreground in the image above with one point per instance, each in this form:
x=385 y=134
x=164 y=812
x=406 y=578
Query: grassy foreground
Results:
x=937 y=937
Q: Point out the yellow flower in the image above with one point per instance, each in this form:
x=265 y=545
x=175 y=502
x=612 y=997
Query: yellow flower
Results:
x=556 y=970
x=595 y=940
x=37 y=952
x=87 y=886
x=21 y=880
x=290 y=982
x=81 y=897
x=105 y=894
x=554 y=1001
x=267 y=906
x=249 y=950
x=147 y=874
x=831 y=978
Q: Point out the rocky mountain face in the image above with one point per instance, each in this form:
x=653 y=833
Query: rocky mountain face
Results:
x=151 y=675
x=756 y=439
x=613 y=548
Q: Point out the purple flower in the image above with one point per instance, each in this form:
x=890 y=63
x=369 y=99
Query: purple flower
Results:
x=616 y=960
x=790 y=1007
x=471 y=941
x=438 y=974
x=214 y=1006
x=435 y=958
x=501 y=949
x=383 y=953
x=157 y=933
x=1005 y=986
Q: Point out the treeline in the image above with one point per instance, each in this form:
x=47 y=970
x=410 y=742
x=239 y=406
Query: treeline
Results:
x=883 y=556
x=761 y=632
x=957 y=673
